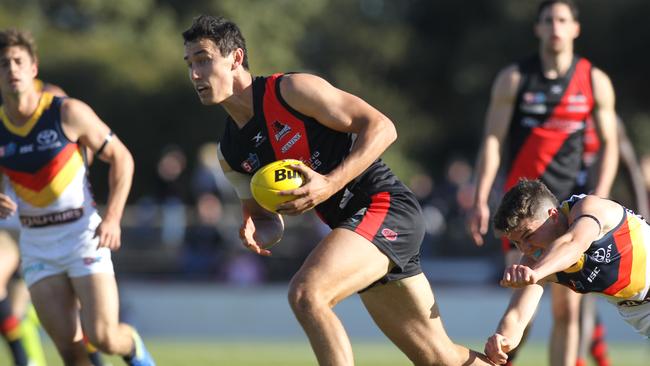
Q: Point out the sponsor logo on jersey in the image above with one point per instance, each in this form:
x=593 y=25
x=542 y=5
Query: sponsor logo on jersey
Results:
x=7 y=150
x=389 y=234
x=347 y=195
x=359 y=214
x=593 y=274
x=291 y=142
x=251 y=164
x=280 y=129
x=529 y=122
x=534 y=108
x=580 y=108
x=603 y=255
x=47 y=139
x=258 y=139
x=26 y=149
x=556 y=89
x=577 y=98
x=314 y=163
x=564 y=125
x=534 y=98
x=628 y=303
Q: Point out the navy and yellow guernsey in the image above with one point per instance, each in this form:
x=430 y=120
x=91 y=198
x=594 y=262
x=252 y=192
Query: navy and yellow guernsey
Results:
x=616 y=265
x=44 y=168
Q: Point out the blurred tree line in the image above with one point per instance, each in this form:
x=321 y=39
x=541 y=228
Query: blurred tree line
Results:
x=427 y=64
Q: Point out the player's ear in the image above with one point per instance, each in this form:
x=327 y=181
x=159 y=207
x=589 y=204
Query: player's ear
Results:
x=34 y=67
x=238 y=58
x=553 y=213
x=577 y=30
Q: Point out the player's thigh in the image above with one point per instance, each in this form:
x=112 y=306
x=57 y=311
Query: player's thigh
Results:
x=343 y=263
x=19 y=296
x=56 y=305
x=99 y=300
x=406 y=311
x=565 y=303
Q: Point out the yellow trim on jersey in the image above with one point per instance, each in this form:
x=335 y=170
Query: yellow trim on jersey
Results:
x=576 y=266
x=53 y=190
x=638 y=271
x=22 y=131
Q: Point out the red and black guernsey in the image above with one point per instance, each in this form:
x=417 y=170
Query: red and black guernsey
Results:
x=547 y=128
x=277 y=131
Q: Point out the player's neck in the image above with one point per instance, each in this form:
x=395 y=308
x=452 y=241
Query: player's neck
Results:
x=240 y=104
x=556 y=64
x=19 y=108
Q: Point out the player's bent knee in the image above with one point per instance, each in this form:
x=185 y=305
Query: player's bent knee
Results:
x=305 y=300
x=105 y=340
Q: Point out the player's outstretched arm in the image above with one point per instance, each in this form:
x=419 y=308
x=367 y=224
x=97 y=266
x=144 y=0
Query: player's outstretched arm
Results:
x=497 y=122
x=588 y=219
x=520 y=311
x=80 y=123
x=340 y=111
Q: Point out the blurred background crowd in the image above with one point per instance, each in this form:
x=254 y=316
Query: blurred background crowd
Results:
x=428 y=65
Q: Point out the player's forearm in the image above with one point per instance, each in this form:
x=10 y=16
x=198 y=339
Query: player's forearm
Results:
x=371 y=142
x=488 y=165
x=560 y=255
x=628 y=158
x=120 y=178
x=512 y=326
x=520 y=311
x=608 y=168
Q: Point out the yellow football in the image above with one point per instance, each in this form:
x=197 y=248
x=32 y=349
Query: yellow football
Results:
x=273 y=178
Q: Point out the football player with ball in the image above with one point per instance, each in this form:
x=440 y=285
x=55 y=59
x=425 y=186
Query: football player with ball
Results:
x=377 y=226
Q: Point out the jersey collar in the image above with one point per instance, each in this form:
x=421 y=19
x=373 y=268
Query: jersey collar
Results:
x=22 y=131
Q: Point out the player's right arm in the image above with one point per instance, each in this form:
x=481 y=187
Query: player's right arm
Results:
x=260 y=228
x=520 y=311
x=631 y=163
x=497 y=122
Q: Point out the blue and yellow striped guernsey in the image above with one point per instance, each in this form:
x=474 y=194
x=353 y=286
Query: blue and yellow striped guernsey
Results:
x=615 y=265
x=45 y=169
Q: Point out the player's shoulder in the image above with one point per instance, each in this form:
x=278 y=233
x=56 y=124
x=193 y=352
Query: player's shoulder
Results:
x=71 y=106
x=507 y=80
x=302 y=83
x=598 y=75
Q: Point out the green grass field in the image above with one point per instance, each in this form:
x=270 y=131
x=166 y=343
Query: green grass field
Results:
x=183 y=353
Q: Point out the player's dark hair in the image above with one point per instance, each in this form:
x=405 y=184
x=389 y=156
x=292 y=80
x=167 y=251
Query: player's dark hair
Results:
x=547 y=3
x=13 y=37
x=224 y=33
x=523 y=201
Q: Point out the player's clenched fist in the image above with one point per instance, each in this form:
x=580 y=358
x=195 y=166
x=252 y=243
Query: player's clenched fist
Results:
x=497 y=347
x=519 y=275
